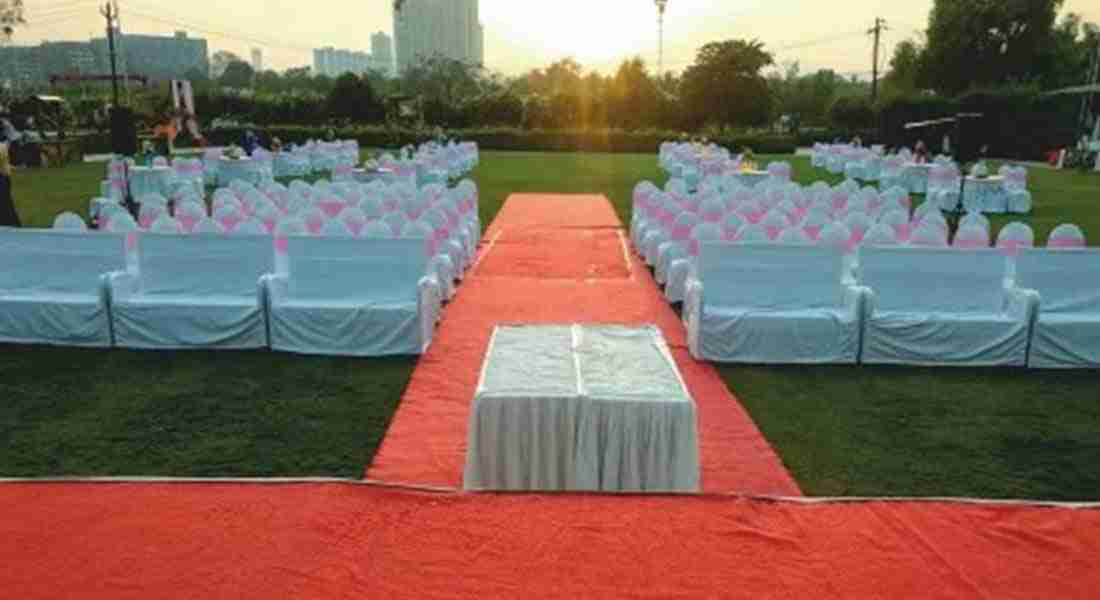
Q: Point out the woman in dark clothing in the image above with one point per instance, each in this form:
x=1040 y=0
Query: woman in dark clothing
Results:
x=8 y=216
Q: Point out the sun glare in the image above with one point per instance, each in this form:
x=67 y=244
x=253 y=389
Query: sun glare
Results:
x=593 y=32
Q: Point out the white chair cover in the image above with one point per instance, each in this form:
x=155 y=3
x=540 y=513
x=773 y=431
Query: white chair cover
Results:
x=1066 y=283
x=760 y=303
x=53 y=286
x=933 y=306
x=198 y=291
x=354 y=297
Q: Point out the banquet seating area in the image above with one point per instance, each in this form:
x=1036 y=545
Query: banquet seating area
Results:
x=429 y=163
x=339 y=268
x=941 y=179
x=781 y=273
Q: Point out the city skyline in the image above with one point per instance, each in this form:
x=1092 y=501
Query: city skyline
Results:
x=520 y=36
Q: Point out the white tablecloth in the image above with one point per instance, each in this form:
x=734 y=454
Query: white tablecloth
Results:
x=246 y=169
x=387 y=176
x=986 y=193
x=751 y=178
x=582 y=408
x=916 y=177
x=151 y=180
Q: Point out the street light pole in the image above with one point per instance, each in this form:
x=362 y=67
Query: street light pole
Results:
x=661 y=5
x=108 y=11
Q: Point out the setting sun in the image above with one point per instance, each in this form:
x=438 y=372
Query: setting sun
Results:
x=597 y=34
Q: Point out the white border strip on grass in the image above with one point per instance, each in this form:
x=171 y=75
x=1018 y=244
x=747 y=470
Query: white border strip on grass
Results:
x=283 y=481
x=626 y=254
x=488 y=248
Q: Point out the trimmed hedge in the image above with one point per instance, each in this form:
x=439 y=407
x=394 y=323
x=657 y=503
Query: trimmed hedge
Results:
x=536 y=140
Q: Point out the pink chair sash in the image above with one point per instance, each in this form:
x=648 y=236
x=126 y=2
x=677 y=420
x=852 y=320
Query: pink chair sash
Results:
x=1066 y=243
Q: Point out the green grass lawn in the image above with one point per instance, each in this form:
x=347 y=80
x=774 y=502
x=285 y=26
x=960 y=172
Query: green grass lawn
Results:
x=841 y=430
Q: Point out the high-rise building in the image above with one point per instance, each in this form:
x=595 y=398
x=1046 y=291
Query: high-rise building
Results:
x=334 y=62
x=381 y=53
x=157 y=57
x=448 y=28
x=257 y=60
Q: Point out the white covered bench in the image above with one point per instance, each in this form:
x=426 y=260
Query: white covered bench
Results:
x=937 y=306
x=194 y=291
x=1066 y=333
x=354 y=297
x=770 y=303
x=53 y=286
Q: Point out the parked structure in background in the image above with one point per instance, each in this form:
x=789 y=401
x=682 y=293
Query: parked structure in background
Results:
x=449 y=28
x=160 y=58
x=381 y=53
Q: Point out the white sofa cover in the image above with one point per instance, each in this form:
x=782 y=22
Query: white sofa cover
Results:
x=53 y=286
x=772 y=303
x=1066 y=333
x=354 y=297
x=941 y=306
x=195 y=291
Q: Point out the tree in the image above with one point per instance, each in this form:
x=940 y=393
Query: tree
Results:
x=852 y=113
x=632 y=97
x=725 y=85
x=221 y=61
x=905 y=70
x=353 y=98
x=980 y=43
x=238 y=74
x=11 y=16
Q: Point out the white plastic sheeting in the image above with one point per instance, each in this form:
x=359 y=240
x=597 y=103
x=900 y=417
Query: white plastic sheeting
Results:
x=932 y=306
x=772 y=303
x=199 y=291
x=53 y=286
x=1067 y=329
x=354 y=297
x=582 y=408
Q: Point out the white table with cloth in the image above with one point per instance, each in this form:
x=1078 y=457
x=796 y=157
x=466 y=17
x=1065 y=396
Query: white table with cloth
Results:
x=915 y=176
x=581 y=408
x=386 y=176
x=751 y=178
x=151 y=180
x=987 y=193
x=246 y=169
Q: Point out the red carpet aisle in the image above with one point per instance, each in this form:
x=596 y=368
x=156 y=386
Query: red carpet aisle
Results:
x=559 y=259
x=274 y=542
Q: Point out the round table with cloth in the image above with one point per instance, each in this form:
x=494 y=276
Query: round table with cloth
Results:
x=985 y=194
x=151 y=180
x=915 y=176
x=386 y=176
x=246 y=169
x=751 y=178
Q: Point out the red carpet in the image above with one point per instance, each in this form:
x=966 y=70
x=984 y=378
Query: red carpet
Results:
x=272 y=542
x=312 y=541
x=559 y=259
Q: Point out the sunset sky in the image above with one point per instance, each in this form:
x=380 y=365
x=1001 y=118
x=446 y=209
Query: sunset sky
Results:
x=521 y=34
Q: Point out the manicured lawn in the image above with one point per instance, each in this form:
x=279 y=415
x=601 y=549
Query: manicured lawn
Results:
x=841 y=430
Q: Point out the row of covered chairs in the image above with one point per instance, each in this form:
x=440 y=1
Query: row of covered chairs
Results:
x=341 y=296
x=760 y=303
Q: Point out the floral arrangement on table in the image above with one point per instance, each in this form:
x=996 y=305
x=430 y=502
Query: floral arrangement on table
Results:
x=748 y=160
x=234 y=153
x=979 y=170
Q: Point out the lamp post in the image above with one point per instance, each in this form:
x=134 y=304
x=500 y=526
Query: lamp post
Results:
x=661 y=5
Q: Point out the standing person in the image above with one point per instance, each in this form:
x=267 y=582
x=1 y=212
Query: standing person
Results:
x=8 y=216
x=920 y=153
x=250 y=142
